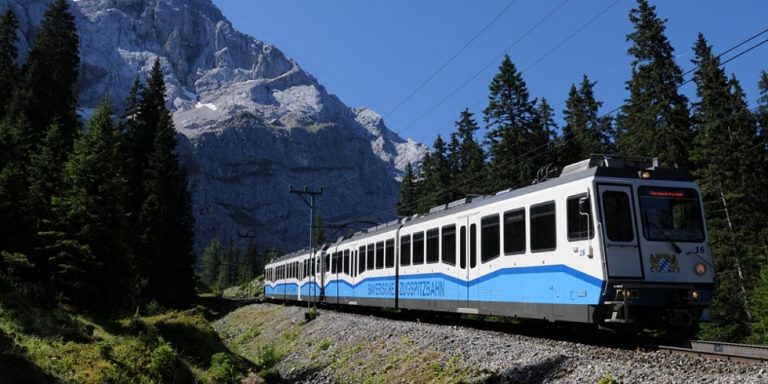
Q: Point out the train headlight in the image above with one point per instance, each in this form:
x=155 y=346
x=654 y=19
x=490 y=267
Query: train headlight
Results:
x=695 y=295
x=700 y=269
x=645 y=174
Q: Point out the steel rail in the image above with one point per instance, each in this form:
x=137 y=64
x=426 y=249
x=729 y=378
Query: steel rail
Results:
x=721 y=351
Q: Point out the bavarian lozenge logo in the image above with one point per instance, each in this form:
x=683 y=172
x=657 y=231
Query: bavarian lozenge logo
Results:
x=664 y=263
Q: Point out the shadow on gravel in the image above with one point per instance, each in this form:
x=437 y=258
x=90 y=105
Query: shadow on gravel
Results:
x=304 y=375
x=530 y=374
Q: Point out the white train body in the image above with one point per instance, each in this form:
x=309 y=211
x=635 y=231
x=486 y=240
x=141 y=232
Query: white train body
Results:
x=604 y=243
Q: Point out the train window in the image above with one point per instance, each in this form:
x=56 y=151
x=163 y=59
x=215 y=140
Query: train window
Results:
x=369 y=257
x=433 y=245
x=671 y=214
x=346 y=262
x=543 y=236
x=418 y=248
x=327 y=261
x=405 y=250
x=463 y=247
x=579 y=226
x=380 y=255
x=361 y=260
x=618 y=216
x=472 y=245
x=449 y=244
x=389 y=260
x=489 y=238
x=514 y=232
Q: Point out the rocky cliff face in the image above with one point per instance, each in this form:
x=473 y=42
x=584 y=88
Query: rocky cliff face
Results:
x=251 y=121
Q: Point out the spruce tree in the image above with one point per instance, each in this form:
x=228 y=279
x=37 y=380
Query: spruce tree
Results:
x=406 y=202
x=9 y=70
x=16 y=222
x=165 y=216
x=45 y=180
x=468 y=158
x=512 y=129
x=434 y=186
x=48 y=89
x=726 y=160
x=211 y=262
x=654 y=121
x=92 y=212
x=584 y=132
x=546 y=135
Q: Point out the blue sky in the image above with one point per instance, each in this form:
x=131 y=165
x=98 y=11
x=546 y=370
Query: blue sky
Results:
x=375 y=53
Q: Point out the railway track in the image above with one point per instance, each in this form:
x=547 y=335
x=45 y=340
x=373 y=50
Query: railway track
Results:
x=722 y=351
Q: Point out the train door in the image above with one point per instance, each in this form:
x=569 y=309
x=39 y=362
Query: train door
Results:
x=473 y=264
x=622 y=249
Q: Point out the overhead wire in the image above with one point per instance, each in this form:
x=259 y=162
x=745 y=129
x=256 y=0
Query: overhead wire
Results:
x=450 y=60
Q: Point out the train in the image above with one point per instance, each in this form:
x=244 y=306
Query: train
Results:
x=616 y=242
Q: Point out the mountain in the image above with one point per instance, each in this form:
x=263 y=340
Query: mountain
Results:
x=251 y=122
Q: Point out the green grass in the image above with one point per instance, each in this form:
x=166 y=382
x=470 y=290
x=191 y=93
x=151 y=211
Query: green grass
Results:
x=44 y=341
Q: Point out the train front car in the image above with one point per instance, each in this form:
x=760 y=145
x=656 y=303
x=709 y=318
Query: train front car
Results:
x=657 y=264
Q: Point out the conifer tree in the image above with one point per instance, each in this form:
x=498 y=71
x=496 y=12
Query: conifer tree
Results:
x=513 y=139
x=654 y=121
x=45 y=180
x=92 y=213
x=546 y=135
x=584 y=132
x=434 y=186
x=211 y=261
x=468 y=158
x=319 y=230
x=726 y=159
x=15 y=219
x=48 y=89
x=229 y=261
x=250 y=265
x=762 y=110
x=9 y=70
x=406 y=202
x=165 y=217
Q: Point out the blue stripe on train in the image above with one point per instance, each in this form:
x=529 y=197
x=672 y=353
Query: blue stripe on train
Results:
x=540 y=284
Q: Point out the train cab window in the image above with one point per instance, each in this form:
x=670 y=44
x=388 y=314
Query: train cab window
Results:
x=472 y=245
x=463 y=247
x=346 y=262
x=380 y=255
x=489 y=238
x=671 y=214
x=418 y=248
x=433 y=245
x=405 y=250
x=449 y=244
x=369 y=257
x=389 y=259
x=543 y=235
x=618 y=216
x=327 y=261
x=361 y=260
x=579 y=225
x=514 y=232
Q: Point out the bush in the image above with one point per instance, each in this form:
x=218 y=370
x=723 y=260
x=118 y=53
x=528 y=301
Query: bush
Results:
x=162 y=361
x=221 y=369
x=607 y=379
x=266 y=357
x=311 y=314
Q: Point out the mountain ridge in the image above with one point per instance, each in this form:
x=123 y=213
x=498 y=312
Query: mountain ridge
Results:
x=250 y=120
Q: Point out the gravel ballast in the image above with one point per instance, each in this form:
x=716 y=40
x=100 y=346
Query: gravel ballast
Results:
x=344 y=347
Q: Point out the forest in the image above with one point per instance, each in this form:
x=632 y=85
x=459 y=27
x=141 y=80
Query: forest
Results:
x=717 y=137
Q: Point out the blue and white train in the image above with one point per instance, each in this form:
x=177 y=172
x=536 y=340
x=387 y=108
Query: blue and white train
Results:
x=611 y=241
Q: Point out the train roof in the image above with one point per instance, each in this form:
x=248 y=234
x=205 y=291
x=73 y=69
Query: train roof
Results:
x=595 y=166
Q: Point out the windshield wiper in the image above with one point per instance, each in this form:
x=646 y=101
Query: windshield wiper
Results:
x=664 y=234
